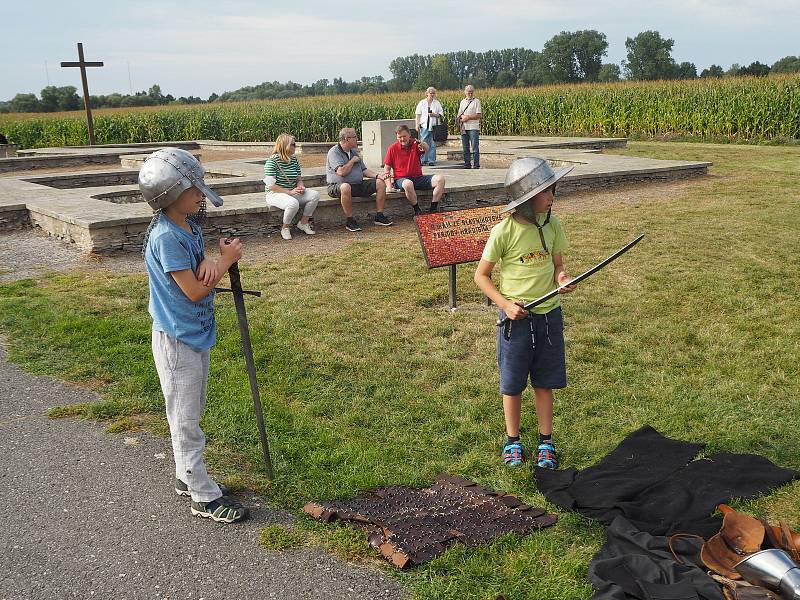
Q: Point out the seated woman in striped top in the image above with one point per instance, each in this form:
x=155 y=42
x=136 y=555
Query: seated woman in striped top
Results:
x=285 y=189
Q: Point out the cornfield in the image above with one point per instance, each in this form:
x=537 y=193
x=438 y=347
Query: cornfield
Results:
x=743 y=109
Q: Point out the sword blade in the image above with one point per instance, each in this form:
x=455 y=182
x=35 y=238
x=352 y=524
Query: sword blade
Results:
x=578 y=279
x=247 y=348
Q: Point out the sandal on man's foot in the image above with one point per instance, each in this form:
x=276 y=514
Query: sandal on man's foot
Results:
x=546 y=456
x=513 y=454
x=183 y=490
x=221 y=510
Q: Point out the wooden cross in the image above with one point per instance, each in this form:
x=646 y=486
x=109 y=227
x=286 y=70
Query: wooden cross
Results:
x=82 y=64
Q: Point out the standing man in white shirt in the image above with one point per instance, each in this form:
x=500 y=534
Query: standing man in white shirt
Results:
x=428 y=113
x=469 y=121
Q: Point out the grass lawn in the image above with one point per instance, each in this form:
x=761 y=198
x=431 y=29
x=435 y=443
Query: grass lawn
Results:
x=368 y=380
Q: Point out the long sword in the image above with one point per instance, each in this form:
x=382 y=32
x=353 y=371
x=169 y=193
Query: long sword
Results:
x=247 y=348
x=578 y=279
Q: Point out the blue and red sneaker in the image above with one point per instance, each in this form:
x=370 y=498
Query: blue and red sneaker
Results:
x=513 y=454
x=546 y=456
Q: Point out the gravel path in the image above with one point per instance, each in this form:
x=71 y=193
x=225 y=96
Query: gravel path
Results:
x=89 y=514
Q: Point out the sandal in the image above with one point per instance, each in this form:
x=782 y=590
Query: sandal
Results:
x=546 y=456
x=513 y=454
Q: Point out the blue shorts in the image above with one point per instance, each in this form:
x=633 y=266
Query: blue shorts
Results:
x=532 y=347
x=420 y=183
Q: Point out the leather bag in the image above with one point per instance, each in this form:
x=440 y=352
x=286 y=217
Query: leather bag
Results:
x=440 y=132
x=740 y=536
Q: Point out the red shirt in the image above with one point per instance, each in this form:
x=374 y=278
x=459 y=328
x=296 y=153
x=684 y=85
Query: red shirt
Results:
x=404 y=161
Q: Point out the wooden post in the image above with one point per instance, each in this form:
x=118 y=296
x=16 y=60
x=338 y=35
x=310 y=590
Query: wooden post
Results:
x=82 y=64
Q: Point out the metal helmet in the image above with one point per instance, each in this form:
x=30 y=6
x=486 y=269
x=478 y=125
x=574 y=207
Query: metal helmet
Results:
x=772 y=569
x=528 y=176
x=167 y=173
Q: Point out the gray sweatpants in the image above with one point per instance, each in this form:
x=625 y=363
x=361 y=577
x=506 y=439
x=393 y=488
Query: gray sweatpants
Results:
x=184 y=376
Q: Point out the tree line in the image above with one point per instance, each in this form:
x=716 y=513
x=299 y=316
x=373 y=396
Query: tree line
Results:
x=568 y=57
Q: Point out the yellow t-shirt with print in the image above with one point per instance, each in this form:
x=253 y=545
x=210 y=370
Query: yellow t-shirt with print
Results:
x=526 y=269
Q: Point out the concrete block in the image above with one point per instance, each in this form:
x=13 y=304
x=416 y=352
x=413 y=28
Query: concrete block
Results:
x=376 y=137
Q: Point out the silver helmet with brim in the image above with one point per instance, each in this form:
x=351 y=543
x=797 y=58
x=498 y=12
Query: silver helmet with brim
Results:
x=525 y=178
x=167 y=173
x=528 y=176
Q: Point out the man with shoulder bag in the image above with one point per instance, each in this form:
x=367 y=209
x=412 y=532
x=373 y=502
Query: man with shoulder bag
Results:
x=469 y=122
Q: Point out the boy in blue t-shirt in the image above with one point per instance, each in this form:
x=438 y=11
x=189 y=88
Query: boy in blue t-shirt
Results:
x=528 y=245
x=182 y=284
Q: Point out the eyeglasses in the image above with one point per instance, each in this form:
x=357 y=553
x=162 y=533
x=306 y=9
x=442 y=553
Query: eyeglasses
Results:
x=351 y=137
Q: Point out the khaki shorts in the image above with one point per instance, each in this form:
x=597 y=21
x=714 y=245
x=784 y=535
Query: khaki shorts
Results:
x=365 y=189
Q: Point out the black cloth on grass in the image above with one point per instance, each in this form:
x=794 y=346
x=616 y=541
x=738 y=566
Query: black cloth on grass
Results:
x=635 y=564
x=654 y=482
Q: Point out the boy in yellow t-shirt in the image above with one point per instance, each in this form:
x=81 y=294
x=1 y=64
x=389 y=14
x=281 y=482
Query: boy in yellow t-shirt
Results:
x=528 y=246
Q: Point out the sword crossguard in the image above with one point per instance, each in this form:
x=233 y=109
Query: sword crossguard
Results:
x=250 y=292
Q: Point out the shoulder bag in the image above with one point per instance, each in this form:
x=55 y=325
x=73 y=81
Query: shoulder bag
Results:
x=440 y=131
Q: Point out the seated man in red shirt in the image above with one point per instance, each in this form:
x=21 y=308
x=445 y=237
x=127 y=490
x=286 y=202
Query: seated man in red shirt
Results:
x=404 y=169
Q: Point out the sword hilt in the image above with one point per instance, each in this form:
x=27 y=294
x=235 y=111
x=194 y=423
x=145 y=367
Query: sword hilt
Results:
x=235 y=276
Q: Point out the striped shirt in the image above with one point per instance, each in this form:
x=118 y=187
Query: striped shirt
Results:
x=285 y=174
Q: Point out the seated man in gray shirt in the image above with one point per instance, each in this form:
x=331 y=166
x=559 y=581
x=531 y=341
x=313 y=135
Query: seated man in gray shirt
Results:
x=345 y=173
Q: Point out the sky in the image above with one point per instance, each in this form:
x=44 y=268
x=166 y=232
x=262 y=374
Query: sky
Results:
x=199 y=47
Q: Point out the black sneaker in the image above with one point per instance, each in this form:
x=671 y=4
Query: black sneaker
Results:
x=434 y=207
x=382 y=219
x=467 y=166
x=352 y=225
x=183 y=490
x=221 y=510
x=417 y=210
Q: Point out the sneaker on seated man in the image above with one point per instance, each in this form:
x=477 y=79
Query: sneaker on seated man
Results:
x=403 y=169
x=345 y=173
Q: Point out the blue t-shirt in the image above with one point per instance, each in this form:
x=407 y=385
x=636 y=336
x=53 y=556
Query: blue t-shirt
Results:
x=171 y=248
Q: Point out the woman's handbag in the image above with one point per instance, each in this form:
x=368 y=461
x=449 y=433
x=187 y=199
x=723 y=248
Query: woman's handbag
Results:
x=440 y=132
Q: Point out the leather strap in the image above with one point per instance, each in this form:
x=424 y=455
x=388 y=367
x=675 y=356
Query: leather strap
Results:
x=788 y=541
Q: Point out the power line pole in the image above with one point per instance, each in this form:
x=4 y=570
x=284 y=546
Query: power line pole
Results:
x=82 y=64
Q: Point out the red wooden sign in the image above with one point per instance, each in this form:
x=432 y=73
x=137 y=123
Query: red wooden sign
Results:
x=457 y=236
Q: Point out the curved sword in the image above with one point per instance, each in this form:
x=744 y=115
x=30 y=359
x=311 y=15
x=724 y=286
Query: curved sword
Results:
x=578 y=279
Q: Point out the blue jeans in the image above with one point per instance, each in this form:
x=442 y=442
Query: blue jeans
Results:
x=426 y=135
x=471 y=135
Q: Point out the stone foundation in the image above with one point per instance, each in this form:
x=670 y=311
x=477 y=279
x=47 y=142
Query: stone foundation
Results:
x=11 y=220
x=103 y=211
x=8 y=150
